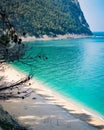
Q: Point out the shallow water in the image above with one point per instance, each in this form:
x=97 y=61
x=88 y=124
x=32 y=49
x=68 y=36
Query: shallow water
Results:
x=74 y=68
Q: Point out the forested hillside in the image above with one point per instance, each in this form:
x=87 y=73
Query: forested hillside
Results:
x=51 y=17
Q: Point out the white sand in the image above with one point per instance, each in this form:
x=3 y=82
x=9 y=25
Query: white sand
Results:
x=47 y=38
x=49 y=111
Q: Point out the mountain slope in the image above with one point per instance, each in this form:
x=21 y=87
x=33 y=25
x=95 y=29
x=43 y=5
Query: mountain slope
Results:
x=51 y=17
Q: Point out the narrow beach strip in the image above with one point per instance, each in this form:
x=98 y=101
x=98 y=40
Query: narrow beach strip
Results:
x=58 y=37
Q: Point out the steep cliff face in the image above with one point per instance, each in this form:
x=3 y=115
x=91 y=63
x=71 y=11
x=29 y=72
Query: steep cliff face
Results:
x=76 y=18
x=51 y=17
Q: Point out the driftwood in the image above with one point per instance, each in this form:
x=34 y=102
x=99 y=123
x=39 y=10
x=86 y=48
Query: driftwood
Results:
x=16 y=83
x=7 y=96
x=15 y=90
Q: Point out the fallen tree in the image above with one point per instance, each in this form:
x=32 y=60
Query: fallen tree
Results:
x=12 y=49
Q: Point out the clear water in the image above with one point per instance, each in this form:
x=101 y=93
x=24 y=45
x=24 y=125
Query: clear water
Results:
x=74 y=68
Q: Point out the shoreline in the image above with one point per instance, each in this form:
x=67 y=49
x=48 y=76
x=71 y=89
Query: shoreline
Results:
x=56 y=94
x=75 y=104
x=50 y=100
x=72 y=101
x=58 y=37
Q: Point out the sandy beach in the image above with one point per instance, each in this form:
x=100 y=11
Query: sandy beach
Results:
x=47 y=38
x=46 y=110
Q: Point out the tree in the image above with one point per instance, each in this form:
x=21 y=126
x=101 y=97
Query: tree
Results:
x=14 y=50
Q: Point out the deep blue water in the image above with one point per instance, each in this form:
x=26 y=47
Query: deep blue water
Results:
x=74 y=68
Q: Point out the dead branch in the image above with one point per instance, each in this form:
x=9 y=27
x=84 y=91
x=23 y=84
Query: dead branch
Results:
x=16 y=83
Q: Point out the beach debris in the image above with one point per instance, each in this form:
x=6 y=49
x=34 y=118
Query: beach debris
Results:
x=17 y=89
x=34 y=98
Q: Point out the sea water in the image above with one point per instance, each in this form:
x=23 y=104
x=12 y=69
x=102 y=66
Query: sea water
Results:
x=72 y=67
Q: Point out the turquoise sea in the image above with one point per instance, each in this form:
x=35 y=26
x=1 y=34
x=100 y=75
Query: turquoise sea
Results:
x=74 y=68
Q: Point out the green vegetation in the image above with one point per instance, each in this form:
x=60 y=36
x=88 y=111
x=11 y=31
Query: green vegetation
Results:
x=4 y=39
x=6 y=125
x=7 y=122
x=51 y=17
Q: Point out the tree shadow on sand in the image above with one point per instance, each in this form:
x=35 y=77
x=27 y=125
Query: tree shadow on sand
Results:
x=81 y=116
